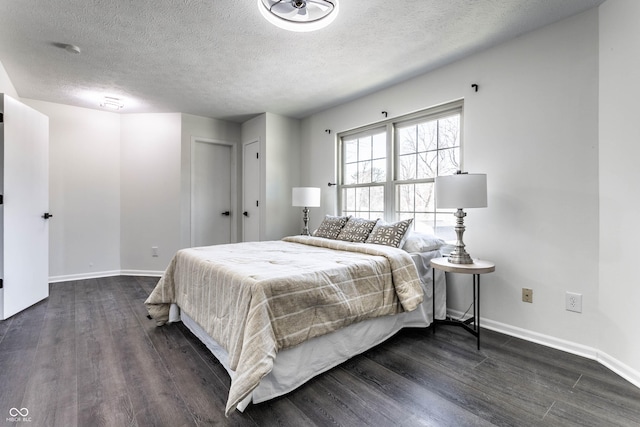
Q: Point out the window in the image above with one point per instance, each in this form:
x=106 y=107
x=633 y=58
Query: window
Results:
x=388 y=170
x=364 y=174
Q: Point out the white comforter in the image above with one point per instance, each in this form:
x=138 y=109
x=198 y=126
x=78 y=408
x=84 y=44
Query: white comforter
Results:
x=257 y=298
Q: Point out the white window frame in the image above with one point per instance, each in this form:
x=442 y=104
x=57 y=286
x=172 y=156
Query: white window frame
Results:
x=393 y=157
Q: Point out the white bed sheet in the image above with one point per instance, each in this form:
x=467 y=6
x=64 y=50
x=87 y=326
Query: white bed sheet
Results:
x=296 y=365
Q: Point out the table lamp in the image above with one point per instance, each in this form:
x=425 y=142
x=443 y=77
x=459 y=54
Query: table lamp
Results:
x=461 y=191
x=307 y=197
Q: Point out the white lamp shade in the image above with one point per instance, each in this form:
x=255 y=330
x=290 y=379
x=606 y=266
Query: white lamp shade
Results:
x=468 y=190
x=308 y=197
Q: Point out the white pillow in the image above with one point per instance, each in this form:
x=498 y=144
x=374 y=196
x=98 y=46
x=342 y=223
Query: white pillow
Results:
x=421 y=242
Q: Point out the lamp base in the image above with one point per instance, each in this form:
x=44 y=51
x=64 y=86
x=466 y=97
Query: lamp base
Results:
x=459 y=255
x=305 y=219
x=456 y=257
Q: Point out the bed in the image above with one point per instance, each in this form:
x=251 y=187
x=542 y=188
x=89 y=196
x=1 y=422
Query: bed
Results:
x=278 y=313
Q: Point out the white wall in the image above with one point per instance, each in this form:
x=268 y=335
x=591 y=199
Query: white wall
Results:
x=84 y=190
x=150 y=190
x=6 y=86
x=282 y=167
x=619 y=292
x=533 y=128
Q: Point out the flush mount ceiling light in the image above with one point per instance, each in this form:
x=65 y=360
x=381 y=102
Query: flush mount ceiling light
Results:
x=111 y=103
x=299 y=15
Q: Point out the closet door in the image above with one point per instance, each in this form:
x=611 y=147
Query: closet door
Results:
x=25 y=189
x=212 y=175
x=251 y=192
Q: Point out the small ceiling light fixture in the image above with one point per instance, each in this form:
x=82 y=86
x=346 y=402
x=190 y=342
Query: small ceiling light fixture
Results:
x=112 y=103
x=299 y=15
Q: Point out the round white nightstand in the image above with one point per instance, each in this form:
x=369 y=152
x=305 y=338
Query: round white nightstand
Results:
x=472 y=324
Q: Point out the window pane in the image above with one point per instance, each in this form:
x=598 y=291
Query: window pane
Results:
x=405 y=200
x=407 y=167
x=364 y=172
x=350 y=151
x=449 y=161
x=380 y=146
x=427 y=165
x=449 y=131
x=428 y=136
x=379 y=171
x=349 y=199
x=364 y=148
x=377 y=199
x=407 y=140
x=362 y=199
x=425 y=200
x=445 y=223
x=351 y=173
x=376 y=215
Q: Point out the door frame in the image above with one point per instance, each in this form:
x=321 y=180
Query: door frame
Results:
x=234 y=191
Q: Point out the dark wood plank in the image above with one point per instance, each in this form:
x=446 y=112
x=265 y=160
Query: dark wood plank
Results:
x=4 y=327
x=50 y=393
x=25 y=329
x=476 y=397
x=154 y=397
x=15 y=369
x=617 y=403
x=279 y=412
x=59 y=321
x=203 y=393
x=108 y=410
x=397 y=385
x=52 y=384
x=103 y=398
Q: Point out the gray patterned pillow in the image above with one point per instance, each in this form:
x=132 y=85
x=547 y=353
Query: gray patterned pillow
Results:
x=357 y=229
x=330 y=226
x=389 y=234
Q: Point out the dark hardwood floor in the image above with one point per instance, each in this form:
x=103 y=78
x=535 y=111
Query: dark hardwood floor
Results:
x=88 y=356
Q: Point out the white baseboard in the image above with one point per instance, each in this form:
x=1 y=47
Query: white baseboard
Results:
x=83 y=276
x=149 y=273
x=620 y=368
x=98 y=274
x=615 y=365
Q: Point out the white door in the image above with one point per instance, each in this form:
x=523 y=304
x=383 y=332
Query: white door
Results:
x=251 y=192
x=211 y=178
x=25 y=189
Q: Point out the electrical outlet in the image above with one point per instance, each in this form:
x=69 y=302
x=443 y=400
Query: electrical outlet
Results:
x=527 y=295
x=154 y=251
x=573 y=302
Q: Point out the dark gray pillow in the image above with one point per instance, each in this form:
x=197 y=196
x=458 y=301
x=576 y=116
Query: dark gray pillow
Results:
x=330 y=226
x=357 y=229
x=389 y=234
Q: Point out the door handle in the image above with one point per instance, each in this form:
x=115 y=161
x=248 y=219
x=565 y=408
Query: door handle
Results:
x=47 y=215
x=245 y=213
x=226 y=213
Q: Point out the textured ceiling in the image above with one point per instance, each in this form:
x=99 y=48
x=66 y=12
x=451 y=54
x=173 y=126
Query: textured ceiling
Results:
x=222 y=59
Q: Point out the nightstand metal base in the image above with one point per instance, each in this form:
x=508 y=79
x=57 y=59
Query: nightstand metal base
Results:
x=472 y=324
